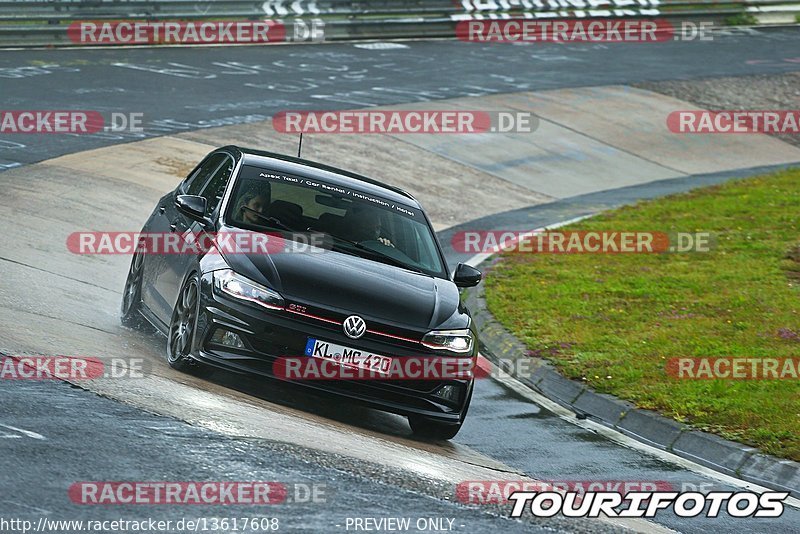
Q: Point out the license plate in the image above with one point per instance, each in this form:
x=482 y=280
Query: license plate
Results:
x=348 y=357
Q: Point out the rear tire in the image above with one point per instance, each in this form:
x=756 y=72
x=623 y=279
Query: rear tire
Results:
x=431 y=428
x=183 y=328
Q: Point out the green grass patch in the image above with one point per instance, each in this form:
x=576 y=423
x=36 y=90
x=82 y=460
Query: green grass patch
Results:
x=614 y=320
x=741 y=19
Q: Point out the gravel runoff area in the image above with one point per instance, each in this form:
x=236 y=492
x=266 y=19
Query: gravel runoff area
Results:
x=774 y=91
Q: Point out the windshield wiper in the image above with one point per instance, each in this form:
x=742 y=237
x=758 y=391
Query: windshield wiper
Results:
x=380 y=256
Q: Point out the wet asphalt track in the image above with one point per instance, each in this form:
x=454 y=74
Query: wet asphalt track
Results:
x=120 y=442
x=181 y=89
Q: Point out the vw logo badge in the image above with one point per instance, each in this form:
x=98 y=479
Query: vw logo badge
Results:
x=354 y=327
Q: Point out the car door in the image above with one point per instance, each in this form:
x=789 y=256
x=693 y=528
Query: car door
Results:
x=159 y=290
x=178 y=265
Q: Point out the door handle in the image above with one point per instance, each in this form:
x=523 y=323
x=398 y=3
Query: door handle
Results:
x=173 y=227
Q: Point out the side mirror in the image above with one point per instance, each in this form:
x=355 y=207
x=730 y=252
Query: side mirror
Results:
x=466 y=276
x=193 y=207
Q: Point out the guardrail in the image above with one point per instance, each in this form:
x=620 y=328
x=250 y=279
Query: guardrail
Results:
x=45 y=22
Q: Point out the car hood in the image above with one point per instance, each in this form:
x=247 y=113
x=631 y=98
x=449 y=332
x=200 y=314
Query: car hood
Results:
x=353 y=285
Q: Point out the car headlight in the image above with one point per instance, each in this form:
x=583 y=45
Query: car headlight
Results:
x=243 y=288
x=451 y=340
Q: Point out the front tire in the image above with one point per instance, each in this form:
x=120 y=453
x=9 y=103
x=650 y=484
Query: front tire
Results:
x=132 y=294
x=183 y=328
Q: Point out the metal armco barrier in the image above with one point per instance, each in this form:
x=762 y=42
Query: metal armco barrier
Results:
x=45 y=22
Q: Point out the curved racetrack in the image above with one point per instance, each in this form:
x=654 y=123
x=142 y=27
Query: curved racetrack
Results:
x=600 y=143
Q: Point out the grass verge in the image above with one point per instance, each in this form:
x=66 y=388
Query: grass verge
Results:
x=614 y=320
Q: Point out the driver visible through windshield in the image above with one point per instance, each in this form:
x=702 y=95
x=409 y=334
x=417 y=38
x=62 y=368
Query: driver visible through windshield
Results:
x=359 y=224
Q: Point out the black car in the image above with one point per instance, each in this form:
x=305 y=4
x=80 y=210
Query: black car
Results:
x=377 y=284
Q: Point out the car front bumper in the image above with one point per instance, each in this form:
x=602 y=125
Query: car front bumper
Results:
x=269 y=335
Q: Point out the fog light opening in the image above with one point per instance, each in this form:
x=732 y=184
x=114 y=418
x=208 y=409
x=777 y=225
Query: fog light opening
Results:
x=449 y=392
x=227 y=338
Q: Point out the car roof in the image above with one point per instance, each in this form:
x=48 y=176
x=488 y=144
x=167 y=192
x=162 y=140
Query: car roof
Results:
x=331 y=175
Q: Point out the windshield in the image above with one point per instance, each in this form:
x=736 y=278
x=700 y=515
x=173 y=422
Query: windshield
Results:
x=359 y=224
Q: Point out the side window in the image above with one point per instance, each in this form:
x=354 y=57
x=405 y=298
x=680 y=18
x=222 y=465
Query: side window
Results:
x=214 y=191
x=194 y=183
